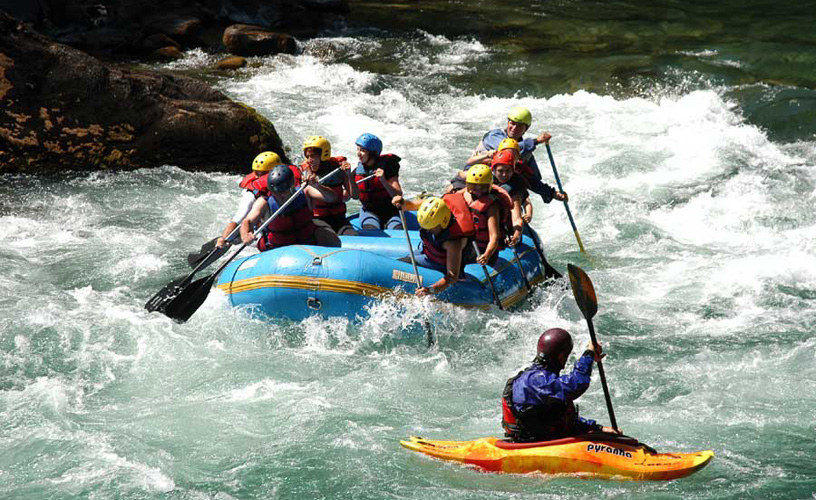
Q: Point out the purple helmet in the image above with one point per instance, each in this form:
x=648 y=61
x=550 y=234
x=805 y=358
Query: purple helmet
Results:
x=556 y=345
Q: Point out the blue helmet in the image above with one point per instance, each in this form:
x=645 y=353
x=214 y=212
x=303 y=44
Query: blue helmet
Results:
x=371 y=143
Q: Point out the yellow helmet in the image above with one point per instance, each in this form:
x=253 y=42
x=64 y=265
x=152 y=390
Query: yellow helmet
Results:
x=265 y=161
x=520 y=115
x=319 y=142
x=509 y=144
x=433 y=212
x=479 y=174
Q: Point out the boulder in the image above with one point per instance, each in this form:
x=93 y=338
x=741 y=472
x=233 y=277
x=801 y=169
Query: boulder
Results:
x=233 y=62
x=61 y=109
x=247 y=40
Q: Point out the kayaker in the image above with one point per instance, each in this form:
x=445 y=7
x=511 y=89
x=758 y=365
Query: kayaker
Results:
x=253 y=185
x=537 y=404
x=320 y=162
x=504 y=176
x=296 y=224
x=447 y=227
x=375 y=194
x=519 y=120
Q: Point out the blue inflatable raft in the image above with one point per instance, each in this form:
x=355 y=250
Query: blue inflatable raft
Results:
x=298 y=281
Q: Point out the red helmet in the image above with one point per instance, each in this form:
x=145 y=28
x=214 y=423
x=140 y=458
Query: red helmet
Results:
x=556 y=345
x=503 y=157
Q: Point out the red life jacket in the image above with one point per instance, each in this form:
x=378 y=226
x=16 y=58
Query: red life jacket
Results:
x=480 y=208
x=248 y=180
x=294 y=225
x=373 y=195
x=524 y=169
x=261 y=185
x=335 y=183
x=461 y=225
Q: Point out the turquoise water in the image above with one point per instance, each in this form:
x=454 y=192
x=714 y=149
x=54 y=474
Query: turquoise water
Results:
x=699 y=224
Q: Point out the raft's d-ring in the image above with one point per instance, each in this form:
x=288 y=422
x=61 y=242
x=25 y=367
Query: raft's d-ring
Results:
x=314 y=303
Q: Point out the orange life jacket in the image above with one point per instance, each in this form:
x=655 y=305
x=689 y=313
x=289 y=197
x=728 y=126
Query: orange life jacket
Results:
x=461 y=225
x=480 y=208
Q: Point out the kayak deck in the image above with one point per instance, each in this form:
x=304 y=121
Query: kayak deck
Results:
x=607 y=457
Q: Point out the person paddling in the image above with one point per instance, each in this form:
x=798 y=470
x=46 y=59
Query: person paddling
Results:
x=376 y=193
x=296 y=225
x=319 y=162
x=537 y=404
x=505 y=177
x=491 y=208
x=519 y=120
x=447 y=227
x=253 y=185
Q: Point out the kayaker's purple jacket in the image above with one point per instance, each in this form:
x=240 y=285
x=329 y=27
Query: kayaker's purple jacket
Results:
x=536 y=384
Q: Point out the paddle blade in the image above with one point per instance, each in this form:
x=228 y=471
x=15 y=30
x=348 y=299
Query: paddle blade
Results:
x=583 y=291
x=196 y=258
x=163 y=297
x=199 y=262
x=187 y=302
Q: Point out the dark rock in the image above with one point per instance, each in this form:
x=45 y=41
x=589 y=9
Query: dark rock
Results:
x=157 y=41
x=169 y=53
x=233 y=62
x=61 y=109
x=246 y=40
x=174 y=26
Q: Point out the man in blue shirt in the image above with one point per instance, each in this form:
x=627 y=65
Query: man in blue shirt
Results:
x=537 y=404
x=519 y=120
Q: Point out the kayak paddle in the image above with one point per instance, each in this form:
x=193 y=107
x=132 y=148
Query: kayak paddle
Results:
x=584 y=294
x=427 y=324
x=180 y=299
x=566 y=205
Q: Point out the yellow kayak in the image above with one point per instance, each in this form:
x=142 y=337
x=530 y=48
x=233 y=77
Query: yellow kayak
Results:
x=599 y=455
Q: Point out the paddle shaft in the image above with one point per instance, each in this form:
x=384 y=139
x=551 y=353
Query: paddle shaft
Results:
x=426 y=323
x=521 y=269
x=603 y=376
x=496 y=298
x=365 y=178
x=566 y=205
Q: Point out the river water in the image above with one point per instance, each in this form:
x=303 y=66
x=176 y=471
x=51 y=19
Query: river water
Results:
x=692 y=180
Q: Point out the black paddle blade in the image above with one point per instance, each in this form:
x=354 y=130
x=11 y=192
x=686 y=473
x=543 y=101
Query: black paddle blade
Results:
x=583 y=291
x=164 y=296
x=187 y=302
x=195 y=258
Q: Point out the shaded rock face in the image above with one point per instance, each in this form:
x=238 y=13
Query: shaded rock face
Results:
x=119 y=27
x=61 y=109
x=245 y=40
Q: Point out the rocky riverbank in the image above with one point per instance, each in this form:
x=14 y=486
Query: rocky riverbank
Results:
x=69 y=104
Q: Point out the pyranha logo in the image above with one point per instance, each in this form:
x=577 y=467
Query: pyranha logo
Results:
x=600 y=448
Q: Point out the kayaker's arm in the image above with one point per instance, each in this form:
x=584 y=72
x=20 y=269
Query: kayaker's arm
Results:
x=392 y=185
x=517 y=221
x=320 y=192
x=454 y=265
x=480 y=155
x=528 y=210
x=400 y=202
x=493 y=231
x=254 y=215
x=351 y=191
